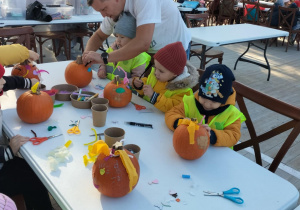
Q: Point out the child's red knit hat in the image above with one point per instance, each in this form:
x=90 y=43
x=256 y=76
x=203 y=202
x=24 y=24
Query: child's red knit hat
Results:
x=172 y=57
x=2 y=71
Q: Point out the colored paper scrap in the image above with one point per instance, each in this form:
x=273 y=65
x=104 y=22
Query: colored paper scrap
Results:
x=59 y=155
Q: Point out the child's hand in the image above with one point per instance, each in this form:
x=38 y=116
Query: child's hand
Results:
x=34 y=81
x=138 y=82
x=208 y=129
x=102 y=72
x=16 y=142
x=148 y=91
x=33 y=55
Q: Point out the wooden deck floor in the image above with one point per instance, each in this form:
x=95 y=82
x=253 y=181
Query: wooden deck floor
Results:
x=284 y=84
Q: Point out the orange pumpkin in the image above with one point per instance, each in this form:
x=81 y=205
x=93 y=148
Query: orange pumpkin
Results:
x=185 y=145
x=34 y=106
x=25 y=70
x=118 y=94
x=77 y=73
x=110 y=176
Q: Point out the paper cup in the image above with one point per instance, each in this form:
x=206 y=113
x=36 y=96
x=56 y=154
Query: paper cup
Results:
x=134 y=149
x=113 y=134
x=103 y=101
x=99 y=112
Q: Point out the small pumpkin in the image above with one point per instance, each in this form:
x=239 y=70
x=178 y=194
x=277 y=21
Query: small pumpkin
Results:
x=78 y=74
x=118 y=93
x=190 y=140
x=113 y=176
x=34 y=106
x=26 y=69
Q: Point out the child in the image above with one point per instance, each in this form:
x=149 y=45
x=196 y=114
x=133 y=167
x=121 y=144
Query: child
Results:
x=124 y=31
x=170 y=79
x=215 y=101
x=16 y=176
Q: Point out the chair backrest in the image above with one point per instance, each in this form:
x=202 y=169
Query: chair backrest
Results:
x=275 y=105
x=286 y=18
x=265 y=14
x=226 y=11
x=18 y=35
x=250 y=10
x=196 y=20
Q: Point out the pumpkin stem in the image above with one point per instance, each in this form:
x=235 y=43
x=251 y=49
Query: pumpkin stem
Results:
x=36 y=89
x=117 y=79
x=79 y=59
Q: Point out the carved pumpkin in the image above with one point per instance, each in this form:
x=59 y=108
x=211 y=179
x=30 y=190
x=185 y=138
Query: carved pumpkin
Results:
x=25 y=70
x=118 y=94
x=191 y=144
x=78 y=74
x=34 y=106
x=110 y=176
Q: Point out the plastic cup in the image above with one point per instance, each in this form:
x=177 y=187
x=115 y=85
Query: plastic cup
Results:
x=112 y=135
x=99 y=112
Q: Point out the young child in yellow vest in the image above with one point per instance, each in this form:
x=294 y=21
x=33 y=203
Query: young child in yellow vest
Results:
x=124 y=31
x=170 y=79
x=214 y=102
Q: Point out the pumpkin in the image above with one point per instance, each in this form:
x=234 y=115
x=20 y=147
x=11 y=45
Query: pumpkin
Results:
x=25 y=70
x=118 y=94
x=110 y=176
x=78 y=74
x=190 y=145
x=34 y=106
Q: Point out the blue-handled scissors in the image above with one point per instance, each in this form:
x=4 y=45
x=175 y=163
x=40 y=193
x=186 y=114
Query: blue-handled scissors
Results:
x=225 y=194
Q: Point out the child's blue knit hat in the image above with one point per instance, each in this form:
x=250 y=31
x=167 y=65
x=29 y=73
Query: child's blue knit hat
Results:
x=216 y=83
x=126 y=25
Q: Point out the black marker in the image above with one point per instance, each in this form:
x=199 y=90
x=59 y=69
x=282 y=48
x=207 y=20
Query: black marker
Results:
x=139 y=124
x=87 y=63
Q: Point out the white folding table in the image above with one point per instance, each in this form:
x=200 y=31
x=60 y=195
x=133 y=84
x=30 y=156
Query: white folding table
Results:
x=219 y=169
x=214 y=36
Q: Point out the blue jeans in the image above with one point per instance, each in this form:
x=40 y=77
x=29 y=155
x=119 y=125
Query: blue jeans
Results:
x=188 y=51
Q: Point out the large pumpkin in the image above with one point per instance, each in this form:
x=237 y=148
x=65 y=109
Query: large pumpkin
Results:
x=25 y=70
x=110 y=176
x=34 y=106
x=78 y=74
x=118 y=94
x=190 y=140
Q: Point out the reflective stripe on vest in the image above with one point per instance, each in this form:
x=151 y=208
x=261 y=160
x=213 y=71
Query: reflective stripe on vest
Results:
x=220 y=121
x=152 y=80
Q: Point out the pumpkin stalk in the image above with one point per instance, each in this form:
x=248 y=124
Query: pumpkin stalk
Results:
x=79 y=59
x=35 y=89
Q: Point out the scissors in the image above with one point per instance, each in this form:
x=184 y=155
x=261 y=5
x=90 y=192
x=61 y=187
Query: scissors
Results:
x=224 y=194
x=75 y=129
x=138 y=107
x=39 y=140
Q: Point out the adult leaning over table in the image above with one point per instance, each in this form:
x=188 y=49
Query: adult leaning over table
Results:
x=158 y=22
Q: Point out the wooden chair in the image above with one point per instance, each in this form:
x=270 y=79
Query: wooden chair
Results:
x=197 y=20
x=265 y=13
x=226 y=12
x=42 y=37
x=18 y=35
x=275 y=105
x=79 y=33
x=250 y=10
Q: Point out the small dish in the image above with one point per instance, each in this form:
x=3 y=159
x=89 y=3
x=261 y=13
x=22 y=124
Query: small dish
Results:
x=64 y=91
x=81 y=104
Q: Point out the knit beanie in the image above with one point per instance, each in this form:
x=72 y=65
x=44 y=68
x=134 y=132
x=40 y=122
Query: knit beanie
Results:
x=2 y=71
x=172 y=57
x=126 y=25
x=7 y=203
x=216 y=83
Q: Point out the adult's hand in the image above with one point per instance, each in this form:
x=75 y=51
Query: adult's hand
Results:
x=92 y=57
x=16 y=142
x=33 y=55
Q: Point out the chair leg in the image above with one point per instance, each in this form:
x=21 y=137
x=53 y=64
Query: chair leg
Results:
x=69 y=41
x=41 y=50
x=220 y=60
x=66 y=51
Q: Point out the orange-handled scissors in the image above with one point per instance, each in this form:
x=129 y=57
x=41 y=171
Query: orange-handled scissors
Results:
x=138 y=107
x=39 y=140
x=75 y=129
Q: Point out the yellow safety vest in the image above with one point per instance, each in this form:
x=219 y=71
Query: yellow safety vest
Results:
x=152 y=80
x=220 y=121
x=128 y=65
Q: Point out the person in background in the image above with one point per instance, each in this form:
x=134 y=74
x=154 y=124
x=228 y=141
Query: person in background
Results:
x=158 y=23
x=214 y=102
x=124 y=31
x=170 y=79
x=16 y=176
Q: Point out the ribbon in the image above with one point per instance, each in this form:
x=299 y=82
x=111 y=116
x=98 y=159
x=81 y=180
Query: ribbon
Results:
x=130 y=169
x=192 y=127
x=34 y=87
x=36 y=72
x=125 y=79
